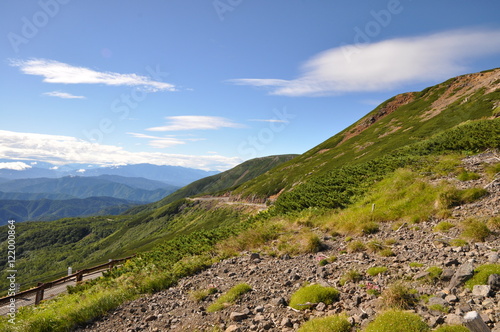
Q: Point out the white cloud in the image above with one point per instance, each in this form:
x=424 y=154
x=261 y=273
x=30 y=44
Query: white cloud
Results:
x=159 y=142
x=63 y=95
x=59 y=72
x=16 y=166
x=385 y=65
x=195 y=122
x=62 y=150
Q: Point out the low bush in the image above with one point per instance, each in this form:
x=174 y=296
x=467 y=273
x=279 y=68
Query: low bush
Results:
x=467 y=176
x=399 y=296
x=373 y=271
x=416 y=264
x=387 y=252
x=356 y=246
x=475 y=230
x=201 y=294
x=350 y=276
x=434 y=273
x=336 y=323
x=481 y=275
x=443 y=226
x=229 y=297
x=313 y=294
x=397 y=321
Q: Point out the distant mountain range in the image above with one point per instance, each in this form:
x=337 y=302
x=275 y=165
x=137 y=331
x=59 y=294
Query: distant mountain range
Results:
x=42 y=191
x=173 y=175
x=46 y=209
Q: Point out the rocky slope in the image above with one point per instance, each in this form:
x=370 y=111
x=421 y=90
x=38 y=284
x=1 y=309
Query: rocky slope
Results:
x=274 y=279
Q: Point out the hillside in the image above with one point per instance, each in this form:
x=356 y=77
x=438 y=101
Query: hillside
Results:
x=402 y=120
x=225 y=180
x=412 y=188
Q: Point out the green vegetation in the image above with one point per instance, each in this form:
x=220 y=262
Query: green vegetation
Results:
x=439 y=307
x=475 y=230
x=416 y=264
x=397 y=321
x=350 y=276
x=348 y=185
x=481 y=275
x=399 y=296
x=467 y=176
x=376 y=270
x=336 y=323
x=356 y=246
x=443 y=226
x=434 y=273
x=458 y=242
x=229 y=297
x=313 y=294
x=201 y=294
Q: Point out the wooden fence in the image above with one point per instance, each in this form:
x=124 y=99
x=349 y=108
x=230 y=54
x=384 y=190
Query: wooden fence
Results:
x=78 y=276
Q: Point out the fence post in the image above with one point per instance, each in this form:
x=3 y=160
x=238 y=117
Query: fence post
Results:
x=39 y=293
x=474 y=322
x=79 y=276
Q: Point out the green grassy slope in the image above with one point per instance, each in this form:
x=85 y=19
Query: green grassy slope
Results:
x=222 y=181
x=399 y=121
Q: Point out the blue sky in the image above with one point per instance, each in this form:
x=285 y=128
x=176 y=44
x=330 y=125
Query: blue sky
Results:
x=209 y=84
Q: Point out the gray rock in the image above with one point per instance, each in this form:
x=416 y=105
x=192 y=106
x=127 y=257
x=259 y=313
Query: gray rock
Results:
x=451 y=298
x=481 y=290
x=447 y=274
x=464 y=272
x=232 y=328
x=437 y=300
x=494 y=281
x=321 y=306
x=452 y=319
x=151 y=318
x=286 y=322
x=493 y=257
x=237 y=316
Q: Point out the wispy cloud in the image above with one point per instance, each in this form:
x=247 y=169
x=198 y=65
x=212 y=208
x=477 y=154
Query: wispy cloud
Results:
x=63 y=95
x=59 y=72
x=16 y=166
x=384 y=65
x=164 y=142
x=195 y=122
x=60 y=150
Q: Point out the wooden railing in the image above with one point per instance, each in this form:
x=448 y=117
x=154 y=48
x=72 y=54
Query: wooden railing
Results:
x=78 y=276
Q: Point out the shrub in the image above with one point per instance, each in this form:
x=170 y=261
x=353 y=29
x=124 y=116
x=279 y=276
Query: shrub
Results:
x=494 y=223
x=370 y=227
x=229 y=297
x=375 y=246
x=475 y=230
x=397 y=321
x=356 y=246
x=373 y=271
x=387 y=252
x=439 y=307
x=201 y=294
x=452 y=328
x=313 y=244
x=481 y=275
x=467 y=176
x=434 y=273
x=323 y=262
x=399 y=296
x=443 y=226
x=416 y=264
x=336 y=323
x=314 y=294
x=351 y=276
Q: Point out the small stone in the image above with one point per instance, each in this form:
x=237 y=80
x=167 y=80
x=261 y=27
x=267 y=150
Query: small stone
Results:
x=321 y=306
x=233 y=328
x=493 y=258
x=151 y=318
x=451 y=298
x=481 y=290
x=447 y=274
x=421 y=275
x=452 y=319
x=254 y=255
x=279 y=301
x=437 y=300
x=259 y=308
x=237 y=316
x=286 y=322
x=494 y=281
x=464 y=272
